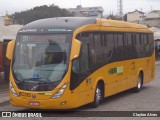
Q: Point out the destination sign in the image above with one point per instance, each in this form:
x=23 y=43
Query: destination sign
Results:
x=51 y=30
x=44 y=38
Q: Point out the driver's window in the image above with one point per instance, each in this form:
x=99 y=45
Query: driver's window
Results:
x=80 y=65
x=75 y=66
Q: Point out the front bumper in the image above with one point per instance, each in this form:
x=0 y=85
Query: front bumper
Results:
x=60 y=103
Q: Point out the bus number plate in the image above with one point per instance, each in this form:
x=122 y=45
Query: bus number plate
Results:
x=34 y=103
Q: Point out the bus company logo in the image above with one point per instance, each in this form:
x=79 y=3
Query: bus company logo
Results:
x=116 y=70
x=33 y=95
x=6 y=114
x=28 y=30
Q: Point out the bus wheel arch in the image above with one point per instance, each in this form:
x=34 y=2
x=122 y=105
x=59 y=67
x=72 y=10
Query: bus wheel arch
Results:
x=98 y=94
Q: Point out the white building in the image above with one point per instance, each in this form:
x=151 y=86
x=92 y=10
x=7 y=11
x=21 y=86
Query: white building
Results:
x=8 y=32
x=153 y=14
x=136 y=16
x=153 y=18
x=80 y=11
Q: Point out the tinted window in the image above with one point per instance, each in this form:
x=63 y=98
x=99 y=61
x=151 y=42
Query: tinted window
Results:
x=84 y=58
x=101 y=48
x=109 y=48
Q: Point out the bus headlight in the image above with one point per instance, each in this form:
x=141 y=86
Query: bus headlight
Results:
x=12 y=89
x=60 y=92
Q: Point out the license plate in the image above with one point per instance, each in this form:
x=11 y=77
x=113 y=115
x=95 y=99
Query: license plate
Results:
x=34 y=103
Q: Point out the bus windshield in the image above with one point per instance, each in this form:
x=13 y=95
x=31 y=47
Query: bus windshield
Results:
x=41 y=58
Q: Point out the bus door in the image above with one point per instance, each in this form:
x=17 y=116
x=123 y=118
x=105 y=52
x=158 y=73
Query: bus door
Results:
x=148 y=59
x=81 y=70
x=146 y=65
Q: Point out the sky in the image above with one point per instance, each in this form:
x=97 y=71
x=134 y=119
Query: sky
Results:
x=109 y=6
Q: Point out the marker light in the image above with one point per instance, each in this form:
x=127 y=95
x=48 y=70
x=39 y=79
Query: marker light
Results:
x=60 y=92
x=12 y=89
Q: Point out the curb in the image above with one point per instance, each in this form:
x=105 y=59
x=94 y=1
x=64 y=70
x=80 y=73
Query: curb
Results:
x=6 y=102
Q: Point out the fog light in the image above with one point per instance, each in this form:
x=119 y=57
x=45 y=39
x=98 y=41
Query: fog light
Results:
x=63 y=103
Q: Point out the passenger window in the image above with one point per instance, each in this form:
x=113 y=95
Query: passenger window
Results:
x=84 y=58
x=129 y=38
x=134 y=39
x=120 y=40
x=115 y=41
x=141 y=39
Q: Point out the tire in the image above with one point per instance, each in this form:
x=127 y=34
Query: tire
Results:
x=98 y=97
x=139 y=84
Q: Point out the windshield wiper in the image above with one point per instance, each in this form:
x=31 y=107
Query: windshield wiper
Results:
x=39 y=80
x=18 y=81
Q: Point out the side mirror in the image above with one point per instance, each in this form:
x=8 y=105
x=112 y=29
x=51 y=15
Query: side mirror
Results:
x=75 y=50
x=10 y=48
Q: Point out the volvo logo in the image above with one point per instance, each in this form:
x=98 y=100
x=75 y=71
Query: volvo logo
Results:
x=33 y=95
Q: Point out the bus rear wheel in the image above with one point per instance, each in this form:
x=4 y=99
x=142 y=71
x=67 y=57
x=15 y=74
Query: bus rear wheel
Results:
x=98 y=96
x=139 y=84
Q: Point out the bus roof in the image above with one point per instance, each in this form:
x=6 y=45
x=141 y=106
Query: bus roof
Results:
x=69 y=24
x=121 y=24
x=57 y=25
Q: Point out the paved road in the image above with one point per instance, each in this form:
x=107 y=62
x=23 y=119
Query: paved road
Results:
x=148 y=99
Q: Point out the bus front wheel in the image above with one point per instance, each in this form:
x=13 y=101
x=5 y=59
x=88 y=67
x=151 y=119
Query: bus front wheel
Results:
x=98 y=96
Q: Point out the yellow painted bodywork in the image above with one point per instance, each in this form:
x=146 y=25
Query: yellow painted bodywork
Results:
x=84 y=93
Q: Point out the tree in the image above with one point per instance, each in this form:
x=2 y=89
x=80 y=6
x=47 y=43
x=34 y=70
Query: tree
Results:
x=114 y=17
x=39 y=12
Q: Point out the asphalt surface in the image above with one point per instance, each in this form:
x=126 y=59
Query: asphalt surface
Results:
x=146 y=100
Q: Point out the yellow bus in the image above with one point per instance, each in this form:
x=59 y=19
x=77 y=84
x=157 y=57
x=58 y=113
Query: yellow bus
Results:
x=67 y=62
